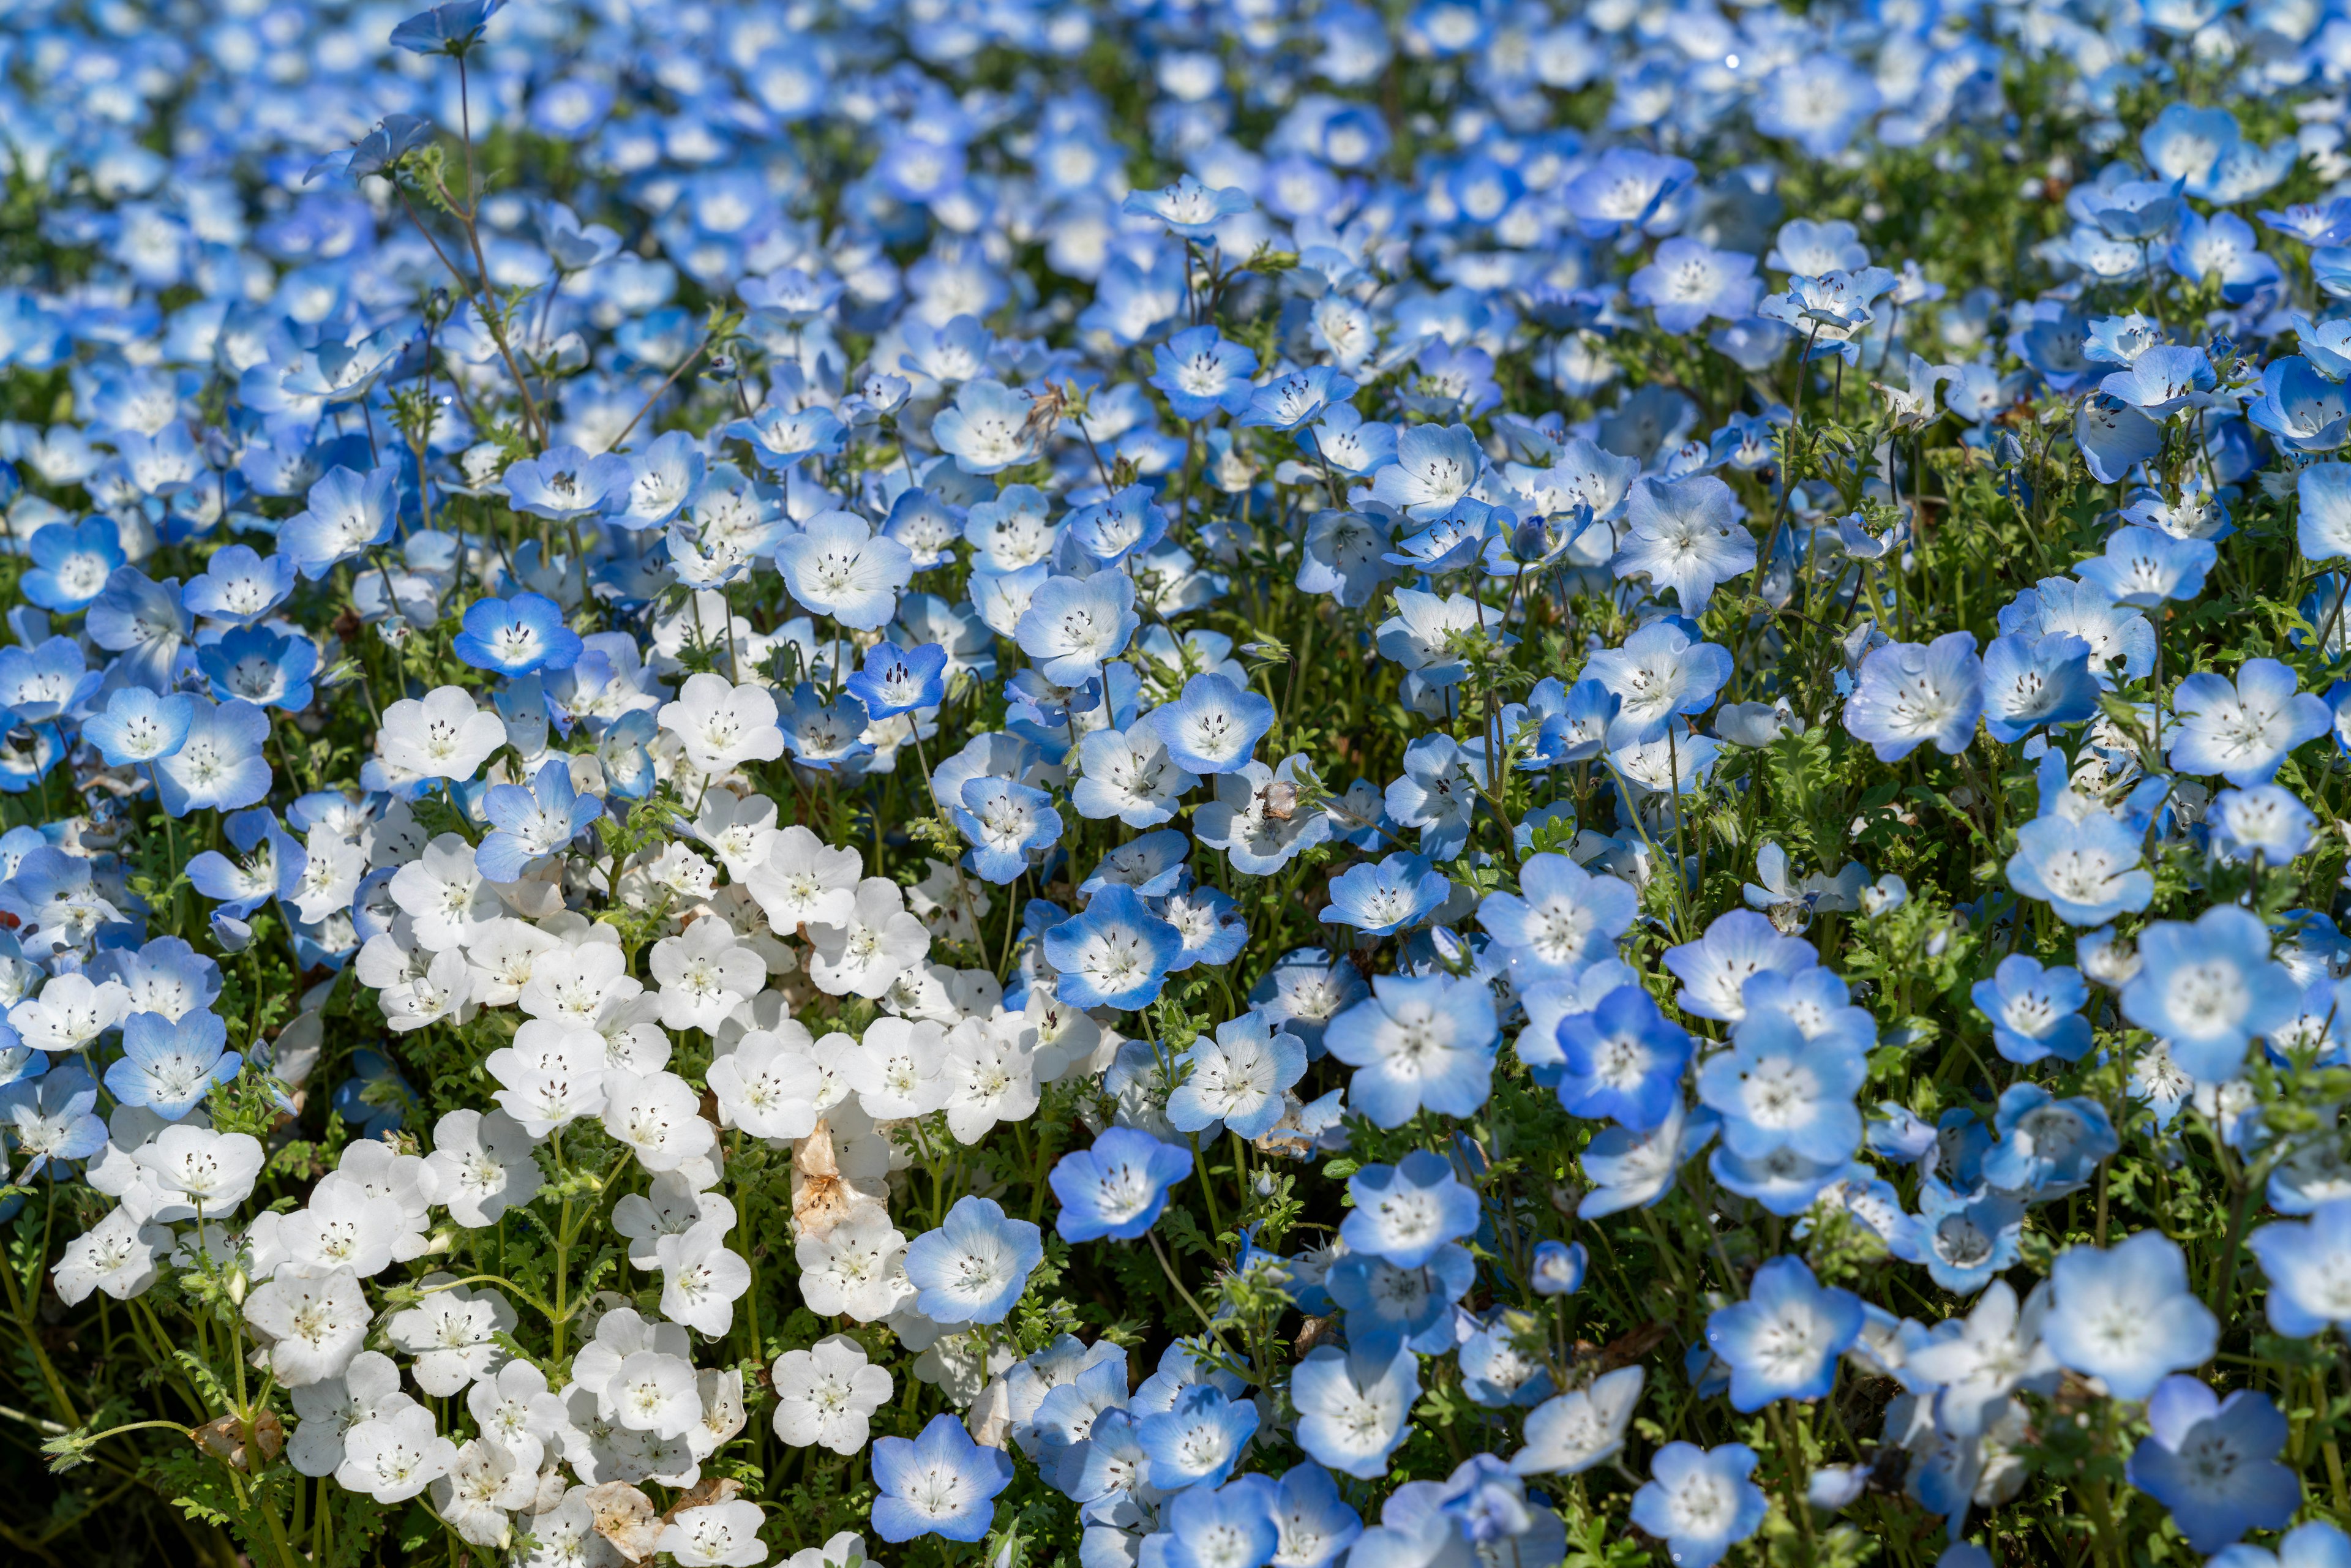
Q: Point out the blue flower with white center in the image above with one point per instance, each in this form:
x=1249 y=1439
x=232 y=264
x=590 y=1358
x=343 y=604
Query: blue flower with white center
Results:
x=238 y=585
x=826 y=736
x=2048 y=1147
x=1230 y=1526
x=987 y=428
x=2028 y=685
x=782 y=438
x=1782 y=1182
x=897 y=680
x=219 y=763
x=941 y=1483
x=1128 y=774
x=1436 y=465
x=2213 y=1462
x=268 y=668
x=1196 y=1440
x=1007 y=826
x=1495 y=1373
x=52 y=1118
x=1910 y=693
x=1381 y=900
x=1437 y=794
x=1699 y=1501
x=2209 y=988
x=1201 y=371
x=138 y=727
x=1316 y=1523
x=145 y=622
x=533 y=824
x=2127 y=1314
x=1624 y=1061
x=1963 y=1238
x=1211 y=923
x=272 y=863
x=1151 y=866
x=1128 y=524
x=1405 y=1212
x=2265 y=825
x=71 y=563
x=2162 y=381
x=1189 y=208
x=1630 y=1169
x=169 y=1066
x=2146 y=566
x=1214 y=727
x=1777 y=1089
x=839 y=567
x=1237 y=1079
x=2243 y=729
x=564 y=483
x=1290 y=401
x=2036 y=1012
x=1559 y=920
x=1417 y=1043
x=2305 y=1261
x=1783 y=1342
x=517 y=636
x=1383 y=1298
x=1626 y=187
x=2086 y=871
x=1685 y=535
x=1559 y=1268
x=1073 y=624
x=1114 y=954
x=1689 y=281
x=1118 y=1188
x=1304 y=991
x=1661 y=672
x=1353 y=1404
x=974 y=1267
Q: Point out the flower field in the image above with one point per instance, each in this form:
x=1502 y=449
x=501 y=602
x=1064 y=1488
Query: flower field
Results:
x=1272 y=784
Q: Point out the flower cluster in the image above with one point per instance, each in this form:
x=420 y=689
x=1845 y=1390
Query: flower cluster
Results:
x=1249 y=786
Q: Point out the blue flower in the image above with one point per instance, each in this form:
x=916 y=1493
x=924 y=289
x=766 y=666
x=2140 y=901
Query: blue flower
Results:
x=1214 y=727
x=267 y=668
x=1195 y=1441
x=2243 y=729
x=1405 y=1212
x=1008 y=825
x=1127 y=524
x=1626 y=188
x=1963 y=1238
x=1237 y=1078
x=1118 y=1188
x=2047 y=1147
x=1230 y=1526
x=219 y=763
x=1153 y=865
x=1381 y=900
x=533 y=824
x=1560 y=919
x=1383 y=1298
x=1783 y=1182
x=1624 y=1061
x=1687 y=281
x=2126 y=1314
x=1777 y=1089
x=71 y=564
x=2029 y=684
x=2304 y=1261
x=897 y=680
x=564 y=483
x=1417 y=1043
x=1909 y=693
x=1699 y=1501
x=517 y=636
x=1287 y=401
x=1629 y=1169
x=451 y=30
x=169 y=1066
x=1188 y=207
x=941 y=1483
x=1304 y=991
x=138 y=727
x=1201 y=370
x=274 y=865
x=987 y=428
x=1073 y=624
x=145 y=622
x=239 y=585
x=1783 y=1342
x=2086 y=871
x=2265 y=824
x=1354 y=1404
x=52 y=1118
x=1437 y=794
x=1559 y=1268
x=2034 y=1012
x=974 y=1267
x=2209 y=988
x=348 y=513
x=780 y=438
x=1112 y=954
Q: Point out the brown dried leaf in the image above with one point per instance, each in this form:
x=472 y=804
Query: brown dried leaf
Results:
x=625 y=1517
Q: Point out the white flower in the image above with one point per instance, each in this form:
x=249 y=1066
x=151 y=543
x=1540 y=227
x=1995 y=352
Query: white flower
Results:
x=659 y=1116
x=717 y=1535
x=803 y=882
x=515 y=1407
x=722 y=725
x=451 y=1334
x=211 y=1170
x=328 y=1409
x=483 y=1484
x=740 y=832
x=879 y=942
x=768 y=1086
x=844 y=1550
x=704 y=975
x=503 y=954
x=393 y=1457
x=553 y=1073
x=856 y=1270
x=445 y=735
x=577 y=983
x=671 y=1206
x=827 y=1394
x=898 y=1071
x=723 y=1413
x=331 y=869
x=481 y=1165
x=443 y=892
x=990 y=1076
x=653 y=1391
x=701 y=1279
x=70 y=1013
x=117 y=1255
x=1576 y=1431
x=345 y=1227
x=446 y=990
